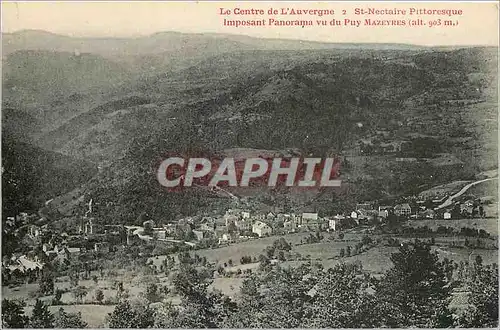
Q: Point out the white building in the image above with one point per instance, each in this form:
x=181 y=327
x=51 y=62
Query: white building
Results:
x=447 y=215
x=332 y=224
x=309 y=216
x=261 y=228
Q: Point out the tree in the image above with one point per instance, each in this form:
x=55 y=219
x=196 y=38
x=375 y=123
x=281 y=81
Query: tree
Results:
x=152 y=293
x=95 y=279
x=231 y=228
x=281 y=256
x=282 y=305
x=57 y=297
x=482 y=213
x=63 y=320
x=200 y=308
x=342 y=300
x=46 y=282
x=73 y=279
x=282 y=244
x=41 y=317
x=366 y=240
x=415 y=288
x=264 y=261
x=249 y=307
x=80 y=292
x=13 y=314
x=99 y=296
x=348 y=251
x=127 y=316
x=342 y=253
x=482 y=282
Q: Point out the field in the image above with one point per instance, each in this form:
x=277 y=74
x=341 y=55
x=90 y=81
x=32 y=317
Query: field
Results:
x=377 y=260
x=489 y=224
x=323 y=250
x=252 y=247
x=94 y=315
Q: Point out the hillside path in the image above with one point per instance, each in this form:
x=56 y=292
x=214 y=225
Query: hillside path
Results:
x=450 y=199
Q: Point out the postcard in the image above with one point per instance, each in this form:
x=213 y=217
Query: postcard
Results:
x=239 y=164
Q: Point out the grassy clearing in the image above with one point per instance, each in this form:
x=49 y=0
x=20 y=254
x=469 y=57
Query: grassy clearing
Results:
x=489 y=224
x=253 y=248
x=94 y=315
x=323 y=250
x=375 y=260
x=229 y=286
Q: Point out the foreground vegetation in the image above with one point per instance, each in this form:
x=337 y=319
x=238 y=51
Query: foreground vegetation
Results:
x=418 y=291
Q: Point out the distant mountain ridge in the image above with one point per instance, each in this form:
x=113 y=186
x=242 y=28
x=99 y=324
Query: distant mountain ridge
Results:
x=167 y=42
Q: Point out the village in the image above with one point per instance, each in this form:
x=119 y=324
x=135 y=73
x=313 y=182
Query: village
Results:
x=46 y=243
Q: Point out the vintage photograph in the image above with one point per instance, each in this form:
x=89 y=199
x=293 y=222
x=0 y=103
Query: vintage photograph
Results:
x=249 y=165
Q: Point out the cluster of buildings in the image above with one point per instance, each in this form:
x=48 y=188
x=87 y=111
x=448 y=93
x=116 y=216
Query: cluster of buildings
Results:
x=233 y=225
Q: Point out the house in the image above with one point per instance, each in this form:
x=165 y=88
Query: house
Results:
x=34 y=231
x=11 y=221
x=383 y=213
x=170 y=228
x=244 y=224
x=365 y=216
x=259 y=216
x=290 y=225
x=208 y=226
x=270 y=216
x=402 y=210
x=332 y=224
x=447 y=215
x=261 y=228
x=46 y=247
x=311 y=221
x=159 y=233
x=220 y=231
x=354 y=215
x=309 y=216
x=466 y=208
x=198 y=234
x=230 y=219
x=245 y=215
x=233 y=211
x=23 y=264
x=364 y=207
x=207 y=220
x=228 y=237
x=101 y=247
x=427 y=214
x=202 y=234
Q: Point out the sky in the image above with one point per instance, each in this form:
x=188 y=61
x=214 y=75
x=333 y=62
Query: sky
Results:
x=478 y=24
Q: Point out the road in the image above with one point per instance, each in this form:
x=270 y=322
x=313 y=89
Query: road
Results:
x=450 y=199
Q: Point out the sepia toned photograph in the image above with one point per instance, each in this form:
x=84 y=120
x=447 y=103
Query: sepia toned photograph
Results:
x=249 y=164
